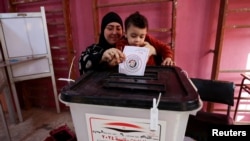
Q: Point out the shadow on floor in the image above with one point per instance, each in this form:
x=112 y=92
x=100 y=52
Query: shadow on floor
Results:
x=37 y=124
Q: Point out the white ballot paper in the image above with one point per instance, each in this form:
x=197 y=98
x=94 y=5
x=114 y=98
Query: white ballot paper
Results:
x=136 y=60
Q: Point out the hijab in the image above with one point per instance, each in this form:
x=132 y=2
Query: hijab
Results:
x=108 y=18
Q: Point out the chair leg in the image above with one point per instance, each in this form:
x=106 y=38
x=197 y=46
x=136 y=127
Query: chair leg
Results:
x=6 y=128
x=238 y=100
x=10 y=105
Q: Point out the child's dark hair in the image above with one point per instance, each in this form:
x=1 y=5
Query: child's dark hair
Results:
x=137 y=20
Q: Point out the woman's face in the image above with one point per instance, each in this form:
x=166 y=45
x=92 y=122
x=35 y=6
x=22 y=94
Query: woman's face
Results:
x=113 y=32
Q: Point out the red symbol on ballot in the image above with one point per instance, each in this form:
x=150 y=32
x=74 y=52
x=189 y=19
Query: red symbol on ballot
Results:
x=123 y=127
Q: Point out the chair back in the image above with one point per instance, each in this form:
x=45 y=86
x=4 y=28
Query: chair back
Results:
x=216 y=91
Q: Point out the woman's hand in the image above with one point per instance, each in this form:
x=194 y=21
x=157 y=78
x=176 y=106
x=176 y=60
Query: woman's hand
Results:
x=152 y=50
x=113 y=56
x=168 y=62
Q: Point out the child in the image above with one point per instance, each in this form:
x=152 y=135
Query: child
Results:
x=136 y=27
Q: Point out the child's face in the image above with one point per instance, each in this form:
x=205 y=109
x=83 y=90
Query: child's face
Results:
x=135 y=35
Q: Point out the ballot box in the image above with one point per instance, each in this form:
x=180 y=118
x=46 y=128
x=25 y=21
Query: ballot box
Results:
x=110 y=106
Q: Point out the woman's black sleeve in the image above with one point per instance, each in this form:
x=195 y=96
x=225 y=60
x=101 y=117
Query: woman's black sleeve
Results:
x=90 y=58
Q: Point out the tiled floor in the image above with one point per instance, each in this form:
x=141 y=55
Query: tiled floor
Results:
x=37 y=124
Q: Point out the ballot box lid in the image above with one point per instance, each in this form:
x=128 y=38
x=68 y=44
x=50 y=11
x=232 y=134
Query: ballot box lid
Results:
x=111 y=88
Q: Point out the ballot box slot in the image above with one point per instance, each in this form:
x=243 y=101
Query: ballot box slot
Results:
x=135 y=86
x=147 y=76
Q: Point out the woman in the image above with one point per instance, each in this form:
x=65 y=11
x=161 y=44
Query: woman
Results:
x=103 y=54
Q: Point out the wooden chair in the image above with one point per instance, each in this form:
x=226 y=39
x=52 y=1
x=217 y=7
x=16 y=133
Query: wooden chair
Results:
x=243 y=87
x=214 y=91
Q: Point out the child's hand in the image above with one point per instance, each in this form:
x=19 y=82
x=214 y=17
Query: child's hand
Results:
x=152 y=50
x=168 y=62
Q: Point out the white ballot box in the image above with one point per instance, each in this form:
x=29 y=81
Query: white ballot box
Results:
x=109 y=106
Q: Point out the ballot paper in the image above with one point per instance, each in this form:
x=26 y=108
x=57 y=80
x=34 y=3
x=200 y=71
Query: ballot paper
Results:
x=136 y=60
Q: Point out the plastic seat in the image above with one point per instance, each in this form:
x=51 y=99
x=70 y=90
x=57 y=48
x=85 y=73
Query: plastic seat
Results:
x=214 y=91
x=243 y=87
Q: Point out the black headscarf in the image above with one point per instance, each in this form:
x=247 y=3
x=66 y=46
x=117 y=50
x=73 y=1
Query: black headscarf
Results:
x=108 y=18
